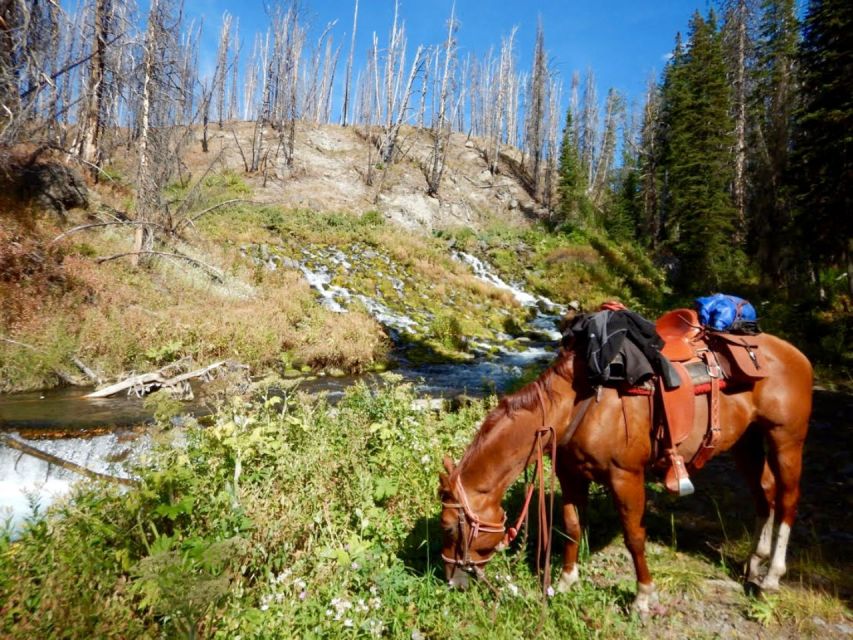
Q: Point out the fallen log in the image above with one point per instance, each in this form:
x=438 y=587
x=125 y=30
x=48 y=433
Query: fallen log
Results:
x=146 y=382
x=14 y=443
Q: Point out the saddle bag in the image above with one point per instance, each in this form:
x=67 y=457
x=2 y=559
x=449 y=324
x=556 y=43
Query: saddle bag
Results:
x=739 y=356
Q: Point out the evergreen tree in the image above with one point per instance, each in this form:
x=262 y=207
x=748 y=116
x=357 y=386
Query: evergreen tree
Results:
x=696 y=160
x=773 y=102
x=570 y=183
x=823 y=163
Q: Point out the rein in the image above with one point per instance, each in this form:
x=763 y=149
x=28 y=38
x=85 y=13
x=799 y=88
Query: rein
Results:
x=476 y=526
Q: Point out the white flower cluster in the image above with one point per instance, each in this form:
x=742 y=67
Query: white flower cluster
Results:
x=347 y=612
x=282 y=586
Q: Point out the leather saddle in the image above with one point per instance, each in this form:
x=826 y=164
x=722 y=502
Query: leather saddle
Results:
x=706 y=362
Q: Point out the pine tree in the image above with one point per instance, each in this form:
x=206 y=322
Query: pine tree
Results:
x=823 y=141
x=697 y=160
x=773 y=103
x=570 y=183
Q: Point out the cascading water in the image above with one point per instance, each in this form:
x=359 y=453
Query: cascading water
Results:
x=493 y=364
x=27 y=482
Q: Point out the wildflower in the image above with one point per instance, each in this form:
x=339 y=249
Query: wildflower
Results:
x=375 y=627
x=329 y=612
x=361 y=607
x=550 y=592
x=376 y=603
x=354 y=566
x=512 y=589
x=303 y=595
x=300 y=584
x=348 y=622
x=425 y=459
x=417 y=635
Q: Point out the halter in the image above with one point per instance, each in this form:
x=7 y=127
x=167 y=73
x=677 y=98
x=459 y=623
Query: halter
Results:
x=476 y=526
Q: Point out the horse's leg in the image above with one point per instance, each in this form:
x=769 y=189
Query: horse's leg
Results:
x=752 y=463
x=786 y=461
x=575 y=494
x=630 y=495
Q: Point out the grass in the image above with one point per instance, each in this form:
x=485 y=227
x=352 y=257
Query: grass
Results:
x=289 y=518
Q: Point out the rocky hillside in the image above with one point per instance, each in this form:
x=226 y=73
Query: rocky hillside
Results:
x=337 y=169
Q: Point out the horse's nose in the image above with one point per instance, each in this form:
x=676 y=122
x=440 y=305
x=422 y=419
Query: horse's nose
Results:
x=458 y=579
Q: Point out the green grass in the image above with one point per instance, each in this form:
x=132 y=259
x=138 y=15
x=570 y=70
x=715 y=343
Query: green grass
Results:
x=287 y=518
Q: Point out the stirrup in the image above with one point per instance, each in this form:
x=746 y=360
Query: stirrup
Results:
x=677 y=480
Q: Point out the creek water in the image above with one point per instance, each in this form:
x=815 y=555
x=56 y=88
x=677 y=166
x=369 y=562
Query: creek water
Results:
x=103 y=435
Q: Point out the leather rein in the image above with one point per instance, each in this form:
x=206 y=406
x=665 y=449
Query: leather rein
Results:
x=476 y=526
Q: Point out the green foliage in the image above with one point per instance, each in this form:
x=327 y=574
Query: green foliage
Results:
x=570 y=179
x=163 y=405
x=696 y=158
x=445 y=328
x=823 y=162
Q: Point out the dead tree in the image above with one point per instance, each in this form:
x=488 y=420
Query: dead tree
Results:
x=588 y=128
x=220 y=77
x=347 y=80
x=537 y=106
x=613 y=112
x=91 y=118
x=444 y=117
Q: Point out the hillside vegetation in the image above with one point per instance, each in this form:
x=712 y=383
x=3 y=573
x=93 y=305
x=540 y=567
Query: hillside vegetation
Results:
x=243 y=255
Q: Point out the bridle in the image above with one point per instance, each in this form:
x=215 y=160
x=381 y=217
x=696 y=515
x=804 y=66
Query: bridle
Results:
x=477 y=526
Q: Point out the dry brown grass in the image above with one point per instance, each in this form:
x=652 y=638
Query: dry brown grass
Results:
x=118 y=319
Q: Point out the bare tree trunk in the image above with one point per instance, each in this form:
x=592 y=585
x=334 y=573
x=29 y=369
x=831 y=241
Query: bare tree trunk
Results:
x=740 y=98
x=92 y=121
x=345 y=108
x=537 y=104
x=441 y=126
x=220 y=79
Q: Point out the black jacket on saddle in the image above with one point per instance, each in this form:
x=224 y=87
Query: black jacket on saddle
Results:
x=619 y=346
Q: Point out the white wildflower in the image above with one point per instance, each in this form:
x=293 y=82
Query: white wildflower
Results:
x=550 y=592
x=425 y=459
x=348 y=622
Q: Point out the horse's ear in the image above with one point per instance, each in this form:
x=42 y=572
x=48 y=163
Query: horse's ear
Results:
x=443 y=482
x=448 y=464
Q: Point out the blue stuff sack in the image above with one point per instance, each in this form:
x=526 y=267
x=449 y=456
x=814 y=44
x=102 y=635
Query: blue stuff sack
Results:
x=722 y=312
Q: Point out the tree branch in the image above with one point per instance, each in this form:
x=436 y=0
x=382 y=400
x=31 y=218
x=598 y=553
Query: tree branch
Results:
x=14 y=443
x=215 y=273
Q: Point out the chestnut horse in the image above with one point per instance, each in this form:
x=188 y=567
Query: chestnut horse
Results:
x=606 y=437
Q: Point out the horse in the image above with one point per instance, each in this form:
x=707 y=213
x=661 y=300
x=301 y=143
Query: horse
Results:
x=600 y=435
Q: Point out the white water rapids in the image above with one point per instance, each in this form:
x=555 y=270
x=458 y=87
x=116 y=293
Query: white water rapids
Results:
x=26 y=481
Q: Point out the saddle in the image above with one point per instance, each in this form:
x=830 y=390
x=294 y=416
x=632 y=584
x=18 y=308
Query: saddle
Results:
x=706 y=362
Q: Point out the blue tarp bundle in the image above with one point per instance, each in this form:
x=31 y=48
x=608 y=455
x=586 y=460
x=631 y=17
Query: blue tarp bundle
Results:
x=722 y=312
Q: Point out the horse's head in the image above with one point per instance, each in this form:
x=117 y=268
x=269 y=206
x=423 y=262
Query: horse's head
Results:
x=470 y=539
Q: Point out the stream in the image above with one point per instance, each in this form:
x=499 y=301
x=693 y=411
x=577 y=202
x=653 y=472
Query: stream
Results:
x=103 y=435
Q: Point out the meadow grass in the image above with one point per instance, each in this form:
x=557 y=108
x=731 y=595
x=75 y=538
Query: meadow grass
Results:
x=289 y=518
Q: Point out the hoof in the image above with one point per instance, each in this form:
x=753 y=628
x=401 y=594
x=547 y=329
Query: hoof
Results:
x=769 y=585
x=646 y=601
x=568 y=579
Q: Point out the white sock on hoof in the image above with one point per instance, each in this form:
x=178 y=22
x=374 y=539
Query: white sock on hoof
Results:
x=777 y=564
x=647 y=595
x=568 y=579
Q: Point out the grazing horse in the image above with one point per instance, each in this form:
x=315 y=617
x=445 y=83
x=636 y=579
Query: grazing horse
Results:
x=604 y=436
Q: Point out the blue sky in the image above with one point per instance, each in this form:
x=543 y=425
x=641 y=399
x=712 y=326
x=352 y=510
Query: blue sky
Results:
x=622 y=41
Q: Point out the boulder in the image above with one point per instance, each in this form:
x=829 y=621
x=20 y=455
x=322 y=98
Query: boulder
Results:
x=51 y=185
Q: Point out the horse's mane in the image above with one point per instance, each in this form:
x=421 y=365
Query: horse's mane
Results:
x=525 y=399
